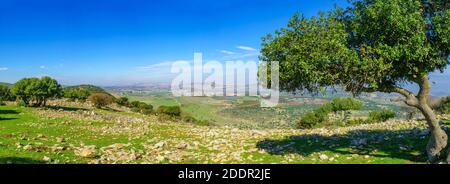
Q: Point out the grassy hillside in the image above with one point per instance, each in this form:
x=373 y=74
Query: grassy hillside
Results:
x=6 y=84
x=89 y=88
x=74 y=133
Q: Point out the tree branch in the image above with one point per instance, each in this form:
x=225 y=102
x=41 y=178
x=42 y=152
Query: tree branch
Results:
x=410 y=100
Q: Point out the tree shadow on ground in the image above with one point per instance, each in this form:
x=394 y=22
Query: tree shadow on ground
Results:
x=404 y=144
x=62 y=108
x=9 y=112
x=5 y=119
x=19 y=160
x=110 y=109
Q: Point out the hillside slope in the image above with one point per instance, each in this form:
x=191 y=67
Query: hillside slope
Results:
x=76 y=133
x=6 y=84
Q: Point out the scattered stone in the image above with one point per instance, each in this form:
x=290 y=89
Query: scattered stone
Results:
x=46 y=159
x=160 y=158
x=323 y=157
x=60 y=139
x=181 y=145
x=86 y=151
x=159 y=145
x=28 y=147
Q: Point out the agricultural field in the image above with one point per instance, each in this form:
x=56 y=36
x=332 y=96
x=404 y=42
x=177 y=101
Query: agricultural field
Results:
x=239 y=112
x=71 y=132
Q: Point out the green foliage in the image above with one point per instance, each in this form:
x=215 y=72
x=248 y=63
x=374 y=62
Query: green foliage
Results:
x=100 y=99
x=169 y=110
x=134 y=104
x=346 y=104
x=380 y=116
x=189 y=119
x=443 y=105
x=373 y=45
x=81 y=92
x=143 y=108
x=320 y=115
x=122 y=101
x=5 y=93
x=36 y=90
x=310 y=120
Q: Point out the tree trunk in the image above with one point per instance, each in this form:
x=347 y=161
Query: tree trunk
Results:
x=438 y=140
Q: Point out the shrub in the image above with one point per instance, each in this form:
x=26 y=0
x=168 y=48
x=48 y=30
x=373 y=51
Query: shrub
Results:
x=169 y=110
x=81 y=92
x=134 y=104
x=143 y=108
x=189 y=119
x=320 y=115
x=309 y=120
x=346 y=104
x=100 y=99
x=123 y=101
x=380 y=116
x=76 y=94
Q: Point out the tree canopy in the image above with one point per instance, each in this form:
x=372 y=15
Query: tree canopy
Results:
x=5 y=93
x=36 y=91
x=370 y=46
x=374 y=45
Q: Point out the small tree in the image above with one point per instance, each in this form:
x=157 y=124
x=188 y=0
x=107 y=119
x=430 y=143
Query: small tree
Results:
x=122 y=101
x=381 y=115
x=346 y=104
x=37 y=91
x=24 y=88
x=79 y=94
x=49 y=88
x=143 y=108
x=100 y=99
x=373 y=45
x=169 y=110
x=5 y=93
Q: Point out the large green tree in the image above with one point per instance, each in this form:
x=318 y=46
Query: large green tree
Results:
x=5 y=93
x=370 y=46
x=37 y=91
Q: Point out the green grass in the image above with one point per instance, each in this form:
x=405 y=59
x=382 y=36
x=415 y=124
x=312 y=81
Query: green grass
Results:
x=22 y=126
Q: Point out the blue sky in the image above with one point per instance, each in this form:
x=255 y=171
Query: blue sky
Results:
x=110 y=42
x=124 y=42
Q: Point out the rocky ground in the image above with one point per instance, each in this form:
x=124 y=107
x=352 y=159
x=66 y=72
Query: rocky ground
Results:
x=74 y=133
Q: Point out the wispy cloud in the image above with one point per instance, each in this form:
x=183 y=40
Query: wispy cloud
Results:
x=43 y=67
x=227 y=52
x=246 y=48
x=240 y=56
x=158 y=66
x=3 y=68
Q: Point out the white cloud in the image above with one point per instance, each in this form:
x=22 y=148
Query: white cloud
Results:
x=246 y=48
x=166 y=65
x=43 y=67
x=3 y=68
x=227 y=52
